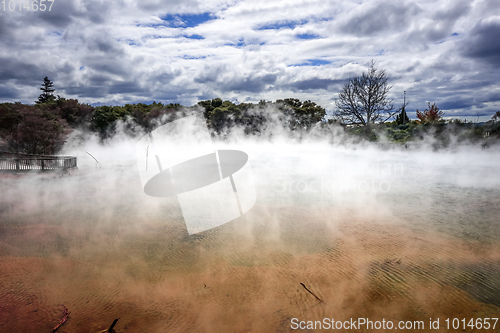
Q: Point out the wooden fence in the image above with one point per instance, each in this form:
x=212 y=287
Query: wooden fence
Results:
x=24 y=164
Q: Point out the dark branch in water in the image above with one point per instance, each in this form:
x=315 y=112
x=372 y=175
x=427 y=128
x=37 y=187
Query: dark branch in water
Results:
x=113 y=325
x=310 y=292
x=93 y=158
x=63 y=320
x=111 y=328
x=393 y=261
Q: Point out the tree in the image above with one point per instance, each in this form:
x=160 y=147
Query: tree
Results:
x=364 y=99
x=222 y=116
x=302 y=115
x=496 y=117
x=431 y=114
x=31 y=129
x=402 y=118
x=75 y=114
x=47 y=90
x=104 y=119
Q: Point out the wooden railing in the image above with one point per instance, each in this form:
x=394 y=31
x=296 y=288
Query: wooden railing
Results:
x=23 y=164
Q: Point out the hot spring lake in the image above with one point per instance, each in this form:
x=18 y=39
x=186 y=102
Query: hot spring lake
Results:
x=396 y=234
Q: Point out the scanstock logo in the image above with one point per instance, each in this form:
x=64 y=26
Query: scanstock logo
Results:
x=213 y=186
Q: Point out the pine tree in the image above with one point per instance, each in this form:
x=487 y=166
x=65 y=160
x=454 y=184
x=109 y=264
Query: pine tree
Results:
x=402 y=118
x=47 y=88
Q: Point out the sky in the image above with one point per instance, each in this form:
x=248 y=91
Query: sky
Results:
x=116 y=52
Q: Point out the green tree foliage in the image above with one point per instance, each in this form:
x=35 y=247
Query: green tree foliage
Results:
x=302 y=115
x=147 y=116
x=226 y=115
x=492 y=127
x=47 y=92
x=42 y=128
x=223 y=115
x=10 y=117
x=104 y=119
x=402 y=118
x=496 y=117
x=209 y=105
x=293 y=113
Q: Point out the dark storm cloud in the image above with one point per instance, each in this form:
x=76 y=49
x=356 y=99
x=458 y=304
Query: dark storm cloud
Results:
x=61 y=14
x=25 y=30
x=380 y=17
x=65 y=68
x=457 y=103
x=225 y=78
x=436 y=24
x=456 y=97
x=95 y=85
x=97 y=11
x=211 y=73
x=252 y=83
x=174 y=95
x=161 y=80
x=126 y=88
x=21 y=72
x=99 y=79
x=105 y=45
x=314 y=84
x=109 y=65
x=482 y=42
x=133 y=51
x=102 y=81
x=4 y=29
x=452 y=13
x=7 y=92
x=86 y=91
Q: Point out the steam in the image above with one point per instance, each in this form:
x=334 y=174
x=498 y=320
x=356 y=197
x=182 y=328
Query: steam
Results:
x=330 y=213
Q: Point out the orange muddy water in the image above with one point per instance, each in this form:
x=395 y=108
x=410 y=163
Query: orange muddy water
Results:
x=94 y=243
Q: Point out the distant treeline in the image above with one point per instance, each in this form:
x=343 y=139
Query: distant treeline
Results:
x=43 y=128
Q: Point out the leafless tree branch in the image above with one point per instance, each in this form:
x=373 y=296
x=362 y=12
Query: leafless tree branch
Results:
x=364 y=99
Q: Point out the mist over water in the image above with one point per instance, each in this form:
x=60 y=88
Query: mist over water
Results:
x=394 y=233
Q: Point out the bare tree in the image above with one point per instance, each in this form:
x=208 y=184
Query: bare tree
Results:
x=363 y=100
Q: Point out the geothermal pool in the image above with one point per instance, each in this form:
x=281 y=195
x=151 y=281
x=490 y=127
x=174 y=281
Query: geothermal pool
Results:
x=400 y=235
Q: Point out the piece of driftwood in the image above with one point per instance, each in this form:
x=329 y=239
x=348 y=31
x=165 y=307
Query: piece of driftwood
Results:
x=393 y=261
x=63 y=320
x=111 y=328
x=310 y=292
x=94 y=159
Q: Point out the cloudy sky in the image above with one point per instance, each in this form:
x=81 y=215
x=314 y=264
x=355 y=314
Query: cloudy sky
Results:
x=115 y=52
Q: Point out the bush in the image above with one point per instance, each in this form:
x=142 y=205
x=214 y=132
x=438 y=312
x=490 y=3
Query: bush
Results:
x=32 y=129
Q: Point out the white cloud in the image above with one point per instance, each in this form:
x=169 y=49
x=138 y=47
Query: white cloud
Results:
x=123 y=51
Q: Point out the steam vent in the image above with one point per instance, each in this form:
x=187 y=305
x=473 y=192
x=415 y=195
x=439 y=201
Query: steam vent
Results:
x=213 y=186
x=15 y=162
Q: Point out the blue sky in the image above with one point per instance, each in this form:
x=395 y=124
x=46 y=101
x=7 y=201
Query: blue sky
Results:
x=117 y=52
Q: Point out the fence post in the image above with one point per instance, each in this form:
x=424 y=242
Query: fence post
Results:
x=17 y=164
x=43 y=165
